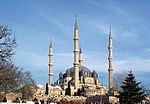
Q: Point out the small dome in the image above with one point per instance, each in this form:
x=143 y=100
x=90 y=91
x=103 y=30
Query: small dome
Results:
x=58 y=87
x=94 y=74
x=40 y=86
x=49 y=86
x=60 y=75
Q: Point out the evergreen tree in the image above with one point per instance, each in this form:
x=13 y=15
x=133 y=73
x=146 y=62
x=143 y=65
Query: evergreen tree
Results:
x=132 y=92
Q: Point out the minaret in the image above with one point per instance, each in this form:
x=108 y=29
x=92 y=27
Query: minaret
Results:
x=80 y=57
x=76 y=55
x=110 y=69
x=50 y=64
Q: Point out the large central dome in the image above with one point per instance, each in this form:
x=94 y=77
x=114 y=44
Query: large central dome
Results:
x=83 y=71
x=81 y=68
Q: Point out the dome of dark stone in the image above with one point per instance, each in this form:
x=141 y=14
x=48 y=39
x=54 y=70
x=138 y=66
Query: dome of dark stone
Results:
x=81 y=68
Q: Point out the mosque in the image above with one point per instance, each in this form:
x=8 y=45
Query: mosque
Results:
x=77 y=80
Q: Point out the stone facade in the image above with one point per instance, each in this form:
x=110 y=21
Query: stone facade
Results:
x=78 y=80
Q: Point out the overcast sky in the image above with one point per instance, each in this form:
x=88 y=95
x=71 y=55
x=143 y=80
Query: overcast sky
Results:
x=34 y=22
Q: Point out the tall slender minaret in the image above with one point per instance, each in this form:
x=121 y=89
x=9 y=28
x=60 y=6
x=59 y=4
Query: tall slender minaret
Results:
x=80 y=57
x=50 y=64
x=76 y=55
x=110 y=69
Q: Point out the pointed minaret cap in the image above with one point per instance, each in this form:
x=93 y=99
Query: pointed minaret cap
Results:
x=76 y=24
x=110 y=33
x=50 y=44
x=80 y=50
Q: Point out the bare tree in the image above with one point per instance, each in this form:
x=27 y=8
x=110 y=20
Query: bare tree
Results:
x=28 y=86
x=9 y=77
x=27 y=78
x=12 y=78
x=7 y=43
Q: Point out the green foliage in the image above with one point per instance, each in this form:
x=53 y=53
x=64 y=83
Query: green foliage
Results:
x=131 y=92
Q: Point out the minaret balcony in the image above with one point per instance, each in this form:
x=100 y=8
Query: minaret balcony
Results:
x=110 y=47
x=76 y=38
x=110 y=69
x=76 y=50
x=76 y=63
x=50 y=74
x=50 y=64
x=51 y=54
x=110 y=58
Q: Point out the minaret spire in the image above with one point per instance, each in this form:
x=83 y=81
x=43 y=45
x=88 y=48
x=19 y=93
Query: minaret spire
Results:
x=50 y=64
x=110 y=69
x=110 y=37
x=76 y=23
x=80 y=57
x=50 y=45
x=76 y=55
